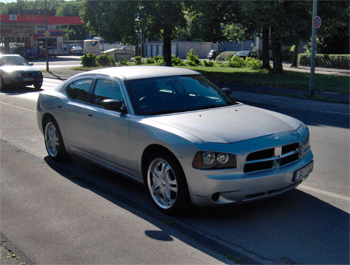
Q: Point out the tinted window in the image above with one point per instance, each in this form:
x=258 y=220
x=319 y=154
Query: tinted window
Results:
x=174 y=94
x=106 y=89
x=79 y=90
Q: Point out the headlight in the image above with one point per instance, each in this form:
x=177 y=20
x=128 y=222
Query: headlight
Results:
x=214 y=160
x=12 y=74
x=304 y=133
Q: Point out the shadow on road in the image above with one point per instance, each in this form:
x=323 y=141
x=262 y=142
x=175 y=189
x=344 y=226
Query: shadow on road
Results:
x=17 y=90
x=296 y=226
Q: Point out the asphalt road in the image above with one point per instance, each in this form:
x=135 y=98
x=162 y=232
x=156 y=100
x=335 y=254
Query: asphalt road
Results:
x=78 y=213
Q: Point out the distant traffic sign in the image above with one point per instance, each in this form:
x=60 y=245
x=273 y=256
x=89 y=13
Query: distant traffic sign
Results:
x=47 y=33
x=316 y=22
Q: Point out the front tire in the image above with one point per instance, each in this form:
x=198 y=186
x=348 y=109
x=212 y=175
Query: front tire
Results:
x=167 y=184
x=37 y=86
x=53 y=141
x=2 y=84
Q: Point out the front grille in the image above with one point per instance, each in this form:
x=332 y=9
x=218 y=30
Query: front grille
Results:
x=272 y=158
x=30 y=74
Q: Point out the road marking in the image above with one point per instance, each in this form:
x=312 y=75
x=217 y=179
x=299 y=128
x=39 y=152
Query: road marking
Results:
x=18 y=107
x=330 y=194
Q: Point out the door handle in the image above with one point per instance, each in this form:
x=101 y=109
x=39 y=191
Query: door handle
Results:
x=90 y=115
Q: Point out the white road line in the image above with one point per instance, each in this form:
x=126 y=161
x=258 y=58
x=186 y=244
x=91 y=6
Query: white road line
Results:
x=18 y=107
x=330 y=194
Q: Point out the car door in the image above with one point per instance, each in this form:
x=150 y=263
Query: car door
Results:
x=108 y=129
x=78 y=108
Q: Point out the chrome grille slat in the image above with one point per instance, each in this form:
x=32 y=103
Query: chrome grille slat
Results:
x=272 y=158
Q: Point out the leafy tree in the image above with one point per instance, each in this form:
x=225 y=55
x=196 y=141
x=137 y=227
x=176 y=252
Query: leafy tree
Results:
x=287 y=22
x=207 y=18
x=333 y=35
x=111 y=20
x=72 y=9
x=162 y=19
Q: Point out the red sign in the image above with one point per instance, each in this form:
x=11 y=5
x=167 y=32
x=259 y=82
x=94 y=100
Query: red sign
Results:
x=316 y=22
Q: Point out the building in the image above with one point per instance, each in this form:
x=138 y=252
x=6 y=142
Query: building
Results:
x=30 y=31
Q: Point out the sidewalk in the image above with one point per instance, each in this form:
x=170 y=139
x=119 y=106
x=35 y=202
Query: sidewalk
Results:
x=251 y=91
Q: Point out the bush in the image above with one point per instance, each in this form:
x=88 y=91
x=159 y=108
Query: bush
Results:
x=236 y=62
x=253 y=63
x=138 y=60
x=158 y=58
x=176 y=61
x=105 y=60
x=89 y=60
x=150 y=60
x=123 y=62
x=341 y=61
x=225 y=56
x=192 y=59
x=208 y=63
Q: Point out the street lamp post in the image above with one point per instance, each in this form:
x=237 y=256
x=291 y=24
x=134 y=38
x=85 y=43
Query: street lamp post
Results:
x=46 y=48
x=313 y=50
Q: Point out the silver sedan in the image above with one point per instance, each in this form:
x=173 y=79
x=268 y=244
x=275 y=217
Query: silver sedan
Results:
x=15 y=70
x=177 y=133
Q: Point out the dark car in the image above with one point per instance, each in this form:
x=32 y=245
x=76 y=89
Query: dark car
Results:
x=245 y=54
x=213 y=54
x=15 y=70
x=27 y=53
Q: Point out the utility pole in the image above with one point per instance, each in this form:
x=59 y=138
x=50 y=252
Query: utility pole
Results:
x=46 y=37
x=316 y=23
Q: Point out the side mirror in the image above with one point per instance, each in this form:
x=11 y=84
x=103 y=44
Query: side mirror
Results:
x=113 y=104
x=227 y=91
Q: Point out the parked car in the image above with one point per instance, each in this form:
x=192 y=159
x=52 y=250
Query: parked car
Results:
x=245 y=54
x=120 y=54
x=177 y=133
x=26 y=52
x=15 y=70
x=76 y=50
x=213 y=54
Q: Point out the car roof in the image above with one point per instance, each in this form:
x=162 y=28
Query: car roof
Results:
x=141 y=72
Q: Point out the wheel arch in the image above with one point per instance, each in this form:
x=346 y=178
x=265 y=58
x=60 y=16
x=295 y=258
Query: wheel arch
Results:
x=148 y=152
x=46 y=116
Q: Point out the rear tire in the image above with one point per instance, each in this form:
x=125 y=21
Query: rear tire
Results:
x=53 y=141
x=166 y=183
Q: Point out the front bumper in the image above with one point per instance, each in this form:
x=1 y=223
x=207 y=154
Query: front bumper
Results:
x=213 y=187
x=22 y=81
x=245 y=188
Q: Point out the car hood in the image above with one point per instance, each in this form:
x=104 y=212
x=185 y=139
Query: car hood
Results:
x=227 y=124
x=12 y=68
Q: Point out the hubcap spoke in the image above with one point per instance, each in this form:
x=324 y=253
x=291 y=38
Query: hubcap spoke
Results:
x=163 y=184
x=52 y=140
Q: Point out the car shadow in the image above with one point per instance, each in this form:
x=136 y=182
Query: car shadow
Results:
x=295 y=227
x=16 y=90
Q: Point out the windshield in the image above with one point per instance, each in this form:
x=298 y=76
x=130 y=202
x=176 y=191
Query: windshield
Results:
x=13 y=60
x=175 y=94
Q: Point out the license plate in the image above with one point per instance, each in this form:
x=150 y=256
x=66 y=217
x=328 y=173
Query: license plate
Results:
x=303 y=172
x=24 y=79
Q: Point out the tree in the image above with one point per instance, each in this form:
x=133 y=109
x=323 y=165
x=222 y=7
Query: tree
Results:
x=71 y=9
x=207 y=18
x=287 y=23
x=333 y=35
x=162 y=19
x=112 y=20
